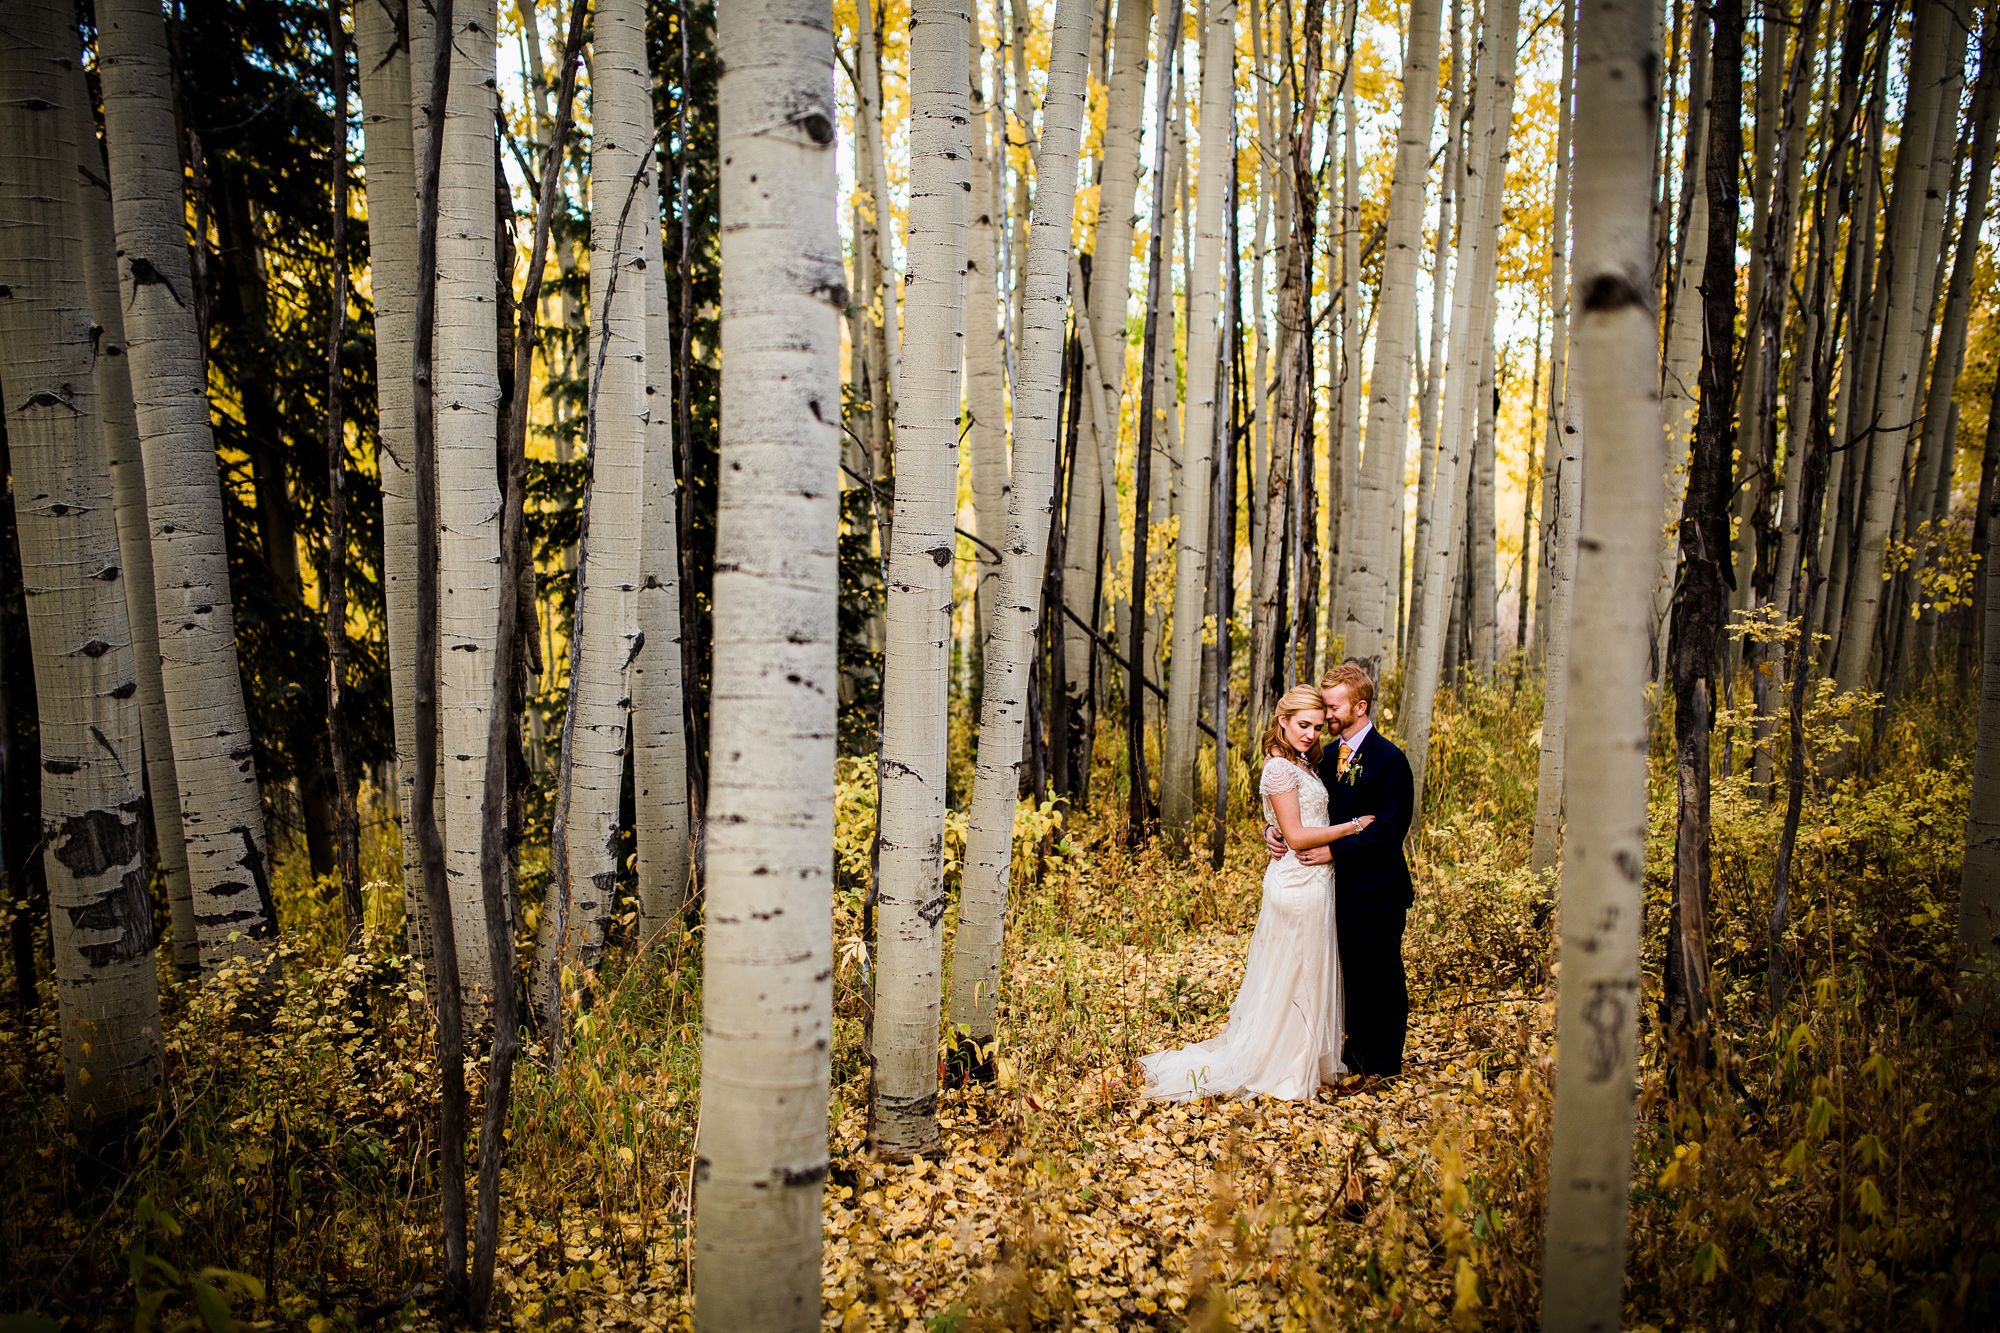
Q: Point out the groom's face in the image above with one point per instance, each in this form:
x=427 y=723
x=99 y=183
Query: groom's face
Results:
x=1342 y=709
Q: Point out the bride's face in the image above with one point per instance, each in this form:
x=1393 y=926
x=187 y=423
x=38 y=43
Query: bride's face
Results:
x=1301 y=729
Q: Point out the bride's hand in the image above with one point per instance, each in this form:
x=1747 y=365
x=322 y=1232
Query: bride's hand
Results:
x=1361 y=822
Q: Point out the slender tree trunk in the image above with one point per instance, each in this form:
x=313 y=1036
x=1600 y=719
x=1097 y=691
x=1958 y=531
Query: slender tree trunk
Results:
x=874 y=132
x=120 y=428
x=93 y=832
x=659 y=715
x=466 y=424
x=1374 y=566
x=1111 y=266
x=424 y=789
x=1702 y=605
x=1679 y=391
x=985 y=360
x=347 y=823
x=1597 y=1006
x=1475 y=268
x=384 y=42
x=607 y=603
x=1430 y=376
x=916 y=665
x=1031 y=499
x=502 y=731
x=767 y=995
x=1939 y=448
x=1888 y=410
x=1204 y=400
x=221 y=818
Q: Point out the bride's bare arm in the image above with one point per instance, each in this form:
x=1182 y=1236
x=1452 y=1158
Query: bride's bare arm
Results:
x=1285 y=805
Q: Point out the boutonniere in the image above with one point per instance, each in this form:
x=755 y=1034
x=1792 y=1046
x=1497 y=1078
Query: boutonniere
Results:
x=1353 y=773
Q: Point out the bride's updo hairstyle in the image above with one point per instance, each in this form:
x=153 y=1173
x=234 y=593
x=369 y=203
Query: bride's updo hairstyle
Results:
x=1298 y=699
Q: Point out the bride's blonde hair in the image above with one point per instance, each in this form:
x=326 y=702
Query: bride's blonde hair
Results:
x=1296 y=700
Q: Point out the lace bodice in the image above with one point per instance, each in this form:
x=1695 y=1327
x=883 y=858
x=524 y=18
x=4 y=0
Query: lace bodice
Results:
x=1284 y=775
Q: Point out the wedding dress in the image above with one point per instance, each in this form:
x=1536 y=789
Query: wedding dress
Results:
x=1284 y=1032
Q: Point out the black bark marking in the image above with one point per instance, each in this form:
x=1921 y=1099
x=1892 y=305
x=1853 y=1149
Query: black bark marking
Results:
x=940 y=555
x=252 y=861
x=144 y=273
x=1610 y=292
x=96 y=841
x=123 y=910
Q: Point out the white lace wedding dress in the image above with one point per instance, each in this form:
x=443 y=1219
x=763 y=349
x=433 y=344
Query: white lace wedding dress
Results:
x=1284 y=1032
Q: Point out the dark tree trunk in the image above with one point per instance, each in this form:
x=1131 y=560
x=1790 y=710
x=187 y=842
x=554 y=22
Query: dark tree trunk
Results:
x=437 y=898
x=347 y=823
x=20 y=760
x=1704 y=536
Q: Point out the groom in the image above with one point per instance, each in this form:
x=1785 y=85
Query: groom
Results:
x=1365 y=774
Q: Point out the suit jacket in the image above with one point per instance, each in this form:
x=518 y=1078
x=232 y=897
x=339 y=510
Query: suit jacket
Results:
x=1370 y=874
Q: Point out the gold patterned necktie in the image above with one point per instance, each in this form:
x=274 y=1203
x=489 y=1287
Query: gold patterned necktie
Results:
x=1346 y=758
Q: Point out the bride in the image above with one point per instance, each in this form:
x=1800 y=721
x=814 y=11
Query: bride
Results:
x=1284 y=1032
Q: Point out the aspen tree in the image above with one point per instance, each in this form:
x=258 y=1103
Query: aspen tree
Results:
x=222 y=818
x=120 y=427
x=606 y=638
x=1472 y=309
x=1111 y=268
x=1562 y=491
x=767 y=993
x=989 y=850
x=985 y=357
x=1597 y=1007
x=659 y=718
x=382 y=48
x=1680 y=370
x=467 y=422
x=1889 y=408
x=869 y=113
x=1700 y=609
x=1371 y=629
x=916 y=661
x=94 y=838
x=1204 y=403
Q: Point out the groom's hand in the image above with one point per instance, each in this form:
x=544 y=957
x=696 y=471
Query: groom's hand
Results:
x=1274 y=841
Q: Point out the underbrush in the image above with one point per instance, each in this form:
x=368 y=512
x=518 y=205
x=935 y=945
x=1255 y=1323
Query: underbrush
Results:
x=1830 y=1165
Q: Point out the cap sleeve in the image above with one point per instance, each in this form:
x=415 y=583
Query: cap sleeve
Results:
x=1279 y=775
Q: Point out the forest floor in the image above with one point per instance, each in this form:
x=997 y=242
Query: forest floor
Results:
x=1832 y=1167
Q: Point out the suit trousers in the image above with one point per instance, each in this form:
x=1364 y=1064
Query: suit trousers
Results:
x=1377 y=992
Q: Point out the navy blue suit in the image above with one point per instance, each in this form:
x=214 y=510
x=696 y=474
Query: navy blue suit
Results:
x=1372 y=895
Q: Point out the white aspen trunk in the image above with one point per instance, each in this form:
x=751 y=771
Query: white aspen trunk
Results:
x=767 y=956
x=1616 y=358
x=119 y=425
x=1483 y=609
x=1083 y=548
x=985 y=359
x=94 y=839
x=467 y=422
x=1562 y=481
x=1259 y=396
x=1374 y=567
x=873 y=133
x=1182 y=742
x=1472 y=302
x=222 y=820
x=659 y=718
x=1010 y=650
x=1111 y=270
x=382 y=58
x=607 y=602
x=1353 y=332
x=916 y=664
x=1429 y=371
x=1680 y=398
x=1550 y=776
x=1896 y=394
